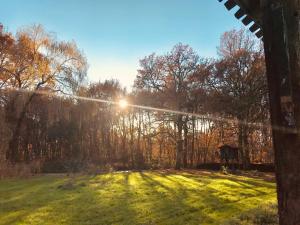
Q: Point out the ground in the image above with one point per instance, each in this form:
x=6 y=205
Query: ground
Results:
x=156 y=197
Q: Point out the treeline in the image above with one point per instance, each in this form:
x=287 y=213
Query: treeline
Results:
x=40 y=121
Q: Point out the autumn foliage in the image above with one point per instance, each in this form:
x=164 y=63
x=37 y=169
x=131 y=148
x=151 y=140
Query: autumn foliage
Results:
x=225 y=96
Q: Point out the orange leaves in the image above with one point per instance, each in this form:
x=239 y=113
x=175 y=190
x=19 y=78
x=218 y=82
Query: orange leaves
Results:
x=34 y=59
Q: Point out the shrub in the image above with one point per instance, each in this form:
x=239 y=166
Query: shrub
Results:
x=94 y=169
x=224 y=170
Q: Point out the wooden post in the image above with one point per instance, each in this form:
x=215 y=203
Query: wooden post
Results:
x=281 y=27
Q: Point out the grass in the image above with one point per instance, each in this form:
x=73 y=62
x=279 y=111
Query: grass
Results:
x=158 y=197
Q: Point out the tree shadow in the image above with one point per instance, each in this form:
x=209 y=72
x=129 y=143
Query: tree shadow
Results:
x=128 y=198
x=105 y=204
x=186 y=203
x=24 y=200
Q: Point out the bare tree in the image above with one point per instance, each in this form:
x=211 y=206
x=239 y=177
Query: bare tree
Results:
x=169 y=77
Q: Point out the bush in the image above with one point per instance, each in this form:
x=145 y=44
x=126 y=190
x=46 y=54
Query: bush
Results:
x=74 y=166
x=53 y=167
x=224 y=170
x=94 y=169
x=63 y=166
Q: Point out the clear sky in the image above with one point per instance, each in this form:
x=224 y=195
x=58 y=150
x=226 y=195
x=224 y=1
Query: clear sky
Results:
x=115 y=34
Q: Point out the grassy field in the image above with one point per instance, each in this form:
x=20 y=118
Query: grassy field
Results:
x=161 y=197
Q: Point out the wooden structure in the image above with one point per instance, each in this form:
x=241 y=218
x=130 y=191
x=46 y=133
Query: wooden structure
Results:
x=229 y=154
x=278 y=23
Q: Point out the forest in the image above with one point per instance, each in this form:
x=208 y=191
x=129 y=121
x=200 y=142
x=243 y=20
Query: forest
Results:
x=180 y=110
x=150 y=112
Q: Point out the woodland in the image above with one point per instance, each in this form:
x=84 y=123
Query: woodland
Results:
x=181 y=108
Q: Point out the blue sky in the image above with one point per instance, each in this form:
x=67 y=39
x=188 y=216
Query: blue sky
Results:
x=115 y=34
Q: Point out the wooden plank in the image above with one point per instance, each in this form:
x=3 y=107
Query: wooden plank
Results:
x=254 y=27
x=230 y=4
x=240 y=13
x=259 y=34
x=245 y=15
x=247 y=20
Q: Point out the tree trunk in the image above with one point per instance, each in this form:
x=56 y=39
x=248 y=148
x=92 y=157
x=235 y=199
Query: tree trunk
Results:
x=139 y=155
x=12 y=153
x=282 y=49
x=185 y=143
x=179 y=144
x=244 y=146
x=192 y=153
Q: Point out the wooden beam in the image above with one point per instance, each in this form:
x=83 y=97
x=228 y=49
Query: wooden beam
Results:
x=281 y=33
x=245 y=13
x=259 y=34
x=247 y=20
x=254 y=27
x=240 y=13
x=230 y=4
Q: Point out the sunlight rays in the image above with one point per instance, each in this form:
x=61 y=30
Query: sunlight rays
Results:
x=124 y=104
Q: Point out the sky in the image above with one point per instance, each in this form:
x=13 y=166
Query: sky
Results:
x=115 y=34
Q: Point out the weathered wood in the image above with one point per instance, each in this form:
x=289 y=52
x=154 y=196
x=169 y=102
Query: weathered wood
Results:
x=247 y=20
x=249 y=11
x=240 y=13
x=281 y=33
x=259 y=34
x=252 y=8
x=254 y=27
x=280 y=20
x=230 y=4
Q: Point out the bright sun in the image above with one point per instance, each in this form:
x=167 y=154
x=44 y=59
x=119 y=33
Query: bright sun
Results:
x=123 y=103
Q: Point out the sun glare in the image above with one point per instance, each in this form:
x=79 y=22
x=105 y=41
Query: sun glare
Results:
x=123 y=103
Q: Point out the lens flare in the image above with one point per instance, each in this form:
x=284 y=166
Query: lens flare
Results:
x=123 y=103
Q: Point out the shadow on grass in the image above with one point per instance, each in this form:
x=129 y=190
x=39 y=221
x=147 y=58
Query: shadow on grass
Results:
x=24 y=197
x=198 y=204
x=129 y=198
x=109 y=203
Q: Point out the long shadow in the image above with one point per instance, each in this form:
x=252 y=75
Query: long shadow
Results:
x=258 y=182
x=241 y=195
x=127 y=198
x=154 y=183
x=202 y=179
x=179 y=201
x=248 y=182
x=23 y=201
x=107 y=204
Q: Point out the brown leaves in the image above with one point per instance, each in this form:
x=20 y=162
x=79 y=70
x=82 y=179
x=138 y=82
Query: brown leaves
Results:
x=34 y=59
x=239 y=75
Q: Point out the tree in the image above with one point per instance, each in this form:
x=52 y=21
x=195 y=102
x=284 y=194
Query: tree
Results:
x=35 y=61
x=169 y=77
x=238 y=84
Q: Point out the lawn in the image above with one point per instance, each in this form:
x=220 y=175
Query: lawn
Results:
x=157 y=197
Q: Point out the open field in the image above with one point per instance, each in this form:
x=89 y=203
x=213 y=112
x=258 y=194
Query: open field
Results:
x=158 y=197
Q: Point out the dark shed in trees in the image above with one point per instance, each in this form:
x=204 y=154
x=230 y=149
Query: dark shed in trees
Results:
x=229 y=153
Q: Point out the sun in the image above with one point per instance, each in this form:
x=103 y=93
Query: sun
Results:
x=123 y=103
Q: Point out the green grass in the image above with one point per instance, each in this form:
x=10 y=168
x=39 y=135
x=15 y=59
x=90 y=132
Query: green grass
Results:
x=132 y=198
